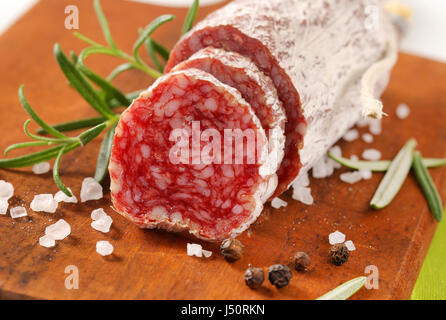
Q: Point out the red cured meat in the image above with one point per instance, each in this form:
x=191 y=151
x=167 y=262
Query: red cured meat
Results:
x=257 y=89
x=324 y=57
x=212 y=201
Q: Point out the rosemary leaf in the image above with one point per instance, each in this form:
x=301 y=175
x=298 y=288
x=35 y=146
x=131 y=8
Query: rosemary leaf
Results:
x=36 y=118
x=107 y=87
x=56 y=175
x=25 y=145
x=190 y=17
x=87 y=136
x=104 y=23
x=39 y=138
x=161 y=50
x=120 y=69
x=146 y=33
x=395 y=176
x=428 y=186
x=346 y=290
x=152 y=53
x=37 y=157
x=75 y=125
x=80 y=36
x=73 y=56
x=104 y=155
x=81 y=84
x=380 y=166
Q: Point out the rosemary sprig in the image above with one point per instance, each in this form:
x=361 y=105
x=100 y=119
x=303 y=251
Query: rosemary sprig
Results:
x=428 y=186
x=346 y=290
x=395 y=177
x=104 y=99
x=380 y=166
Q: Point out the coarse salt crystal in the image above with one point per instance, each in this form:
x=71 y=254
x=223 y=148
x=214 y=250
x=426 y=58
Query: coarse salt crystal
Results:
x=366 y=174
x=91 y=190
x=371 y=154
x=103 y=224
x=350 y=245
x=47 y=241
x=18 y=212
x=303 y=194
x=336 y=151
x=207 y=253
x=41 y=168
x=351 y=135
x=3 y=206
x=278 y=203
x=60 y=196
x=351 y=177
x=44 y=202
x=98 y=214
x=104 y=248
x=354 y=158
x=336 y=237
x=6 y=190
x=323 y=168
x=375 y=126
x=194 y=250
x=302 y=180
x=367 y=137
x=59 y=230
x=402 y=111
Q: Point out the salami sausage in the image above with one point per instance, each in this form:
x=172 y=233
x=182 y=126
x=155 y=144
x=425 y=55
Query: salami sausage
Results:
x=164 y=175
x=333 y=56
x=255 y=87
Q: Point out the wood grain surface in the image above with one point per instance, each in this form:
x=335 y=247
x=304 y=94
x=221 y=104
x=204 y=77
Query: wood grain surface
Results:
x=154 y=264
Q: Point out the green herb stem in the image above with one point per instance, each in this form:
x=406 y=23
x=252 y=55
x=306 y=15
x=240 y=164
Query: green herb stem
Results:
x=190 y=17
x=346 y=290
x=428 y=187
x=395 y=176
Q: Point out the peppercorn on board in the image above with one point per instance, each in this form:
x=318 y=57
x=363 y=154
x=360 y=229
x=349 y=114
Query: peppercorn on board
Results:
x=154 y=264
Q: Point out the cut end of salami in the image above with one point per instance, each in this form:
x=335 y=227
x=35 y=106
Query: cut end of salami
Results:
x=176 y=162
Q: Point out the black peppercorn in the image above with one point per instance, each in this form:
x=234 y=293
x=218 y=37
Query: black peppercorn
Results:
x=232 y=249
x=301 y=261
x=338 y=254
x=279 y=275
x=254 y=277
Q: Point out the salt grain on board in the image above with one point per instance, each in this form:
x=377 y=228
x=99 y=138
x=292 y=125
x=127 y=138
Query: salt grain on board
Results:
x=41 y=168
x=3 y=206
x=60 y=196
x=375 y=126
x=194 y=249
x=351 y=135
x=44 y=203
x=104 y=248
x=207 y=253
x=18 y=212
x=98 y=214
x=350 y=245
x=47 y=241
x=303 y=194
x=6 y=190
x=59 y=230
x=371 y=155
x=278 y=203
x=336 y=237
x=367 y=138
x=91 y=190
x=366 y=174
x=351 y=177
x=336 y=151
x=402 y=111
x=103 y=224
x=323 y=168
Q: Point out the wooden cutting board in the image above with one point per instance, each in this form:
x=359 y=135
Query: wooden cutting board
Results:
x=154 y=264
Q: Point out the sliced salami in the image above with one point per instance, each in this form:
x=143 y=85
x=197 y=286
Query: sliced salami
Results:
x=319 y=52
x=176 y=162
x=255 y=87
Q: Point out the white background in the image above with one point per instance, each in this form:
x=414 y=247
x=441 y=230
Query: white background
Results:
x=426 y=36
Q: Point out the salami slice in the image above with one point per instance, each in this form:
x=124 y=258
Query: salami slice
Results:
x=255 y=87
x=176 y=162
x=316 y=52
